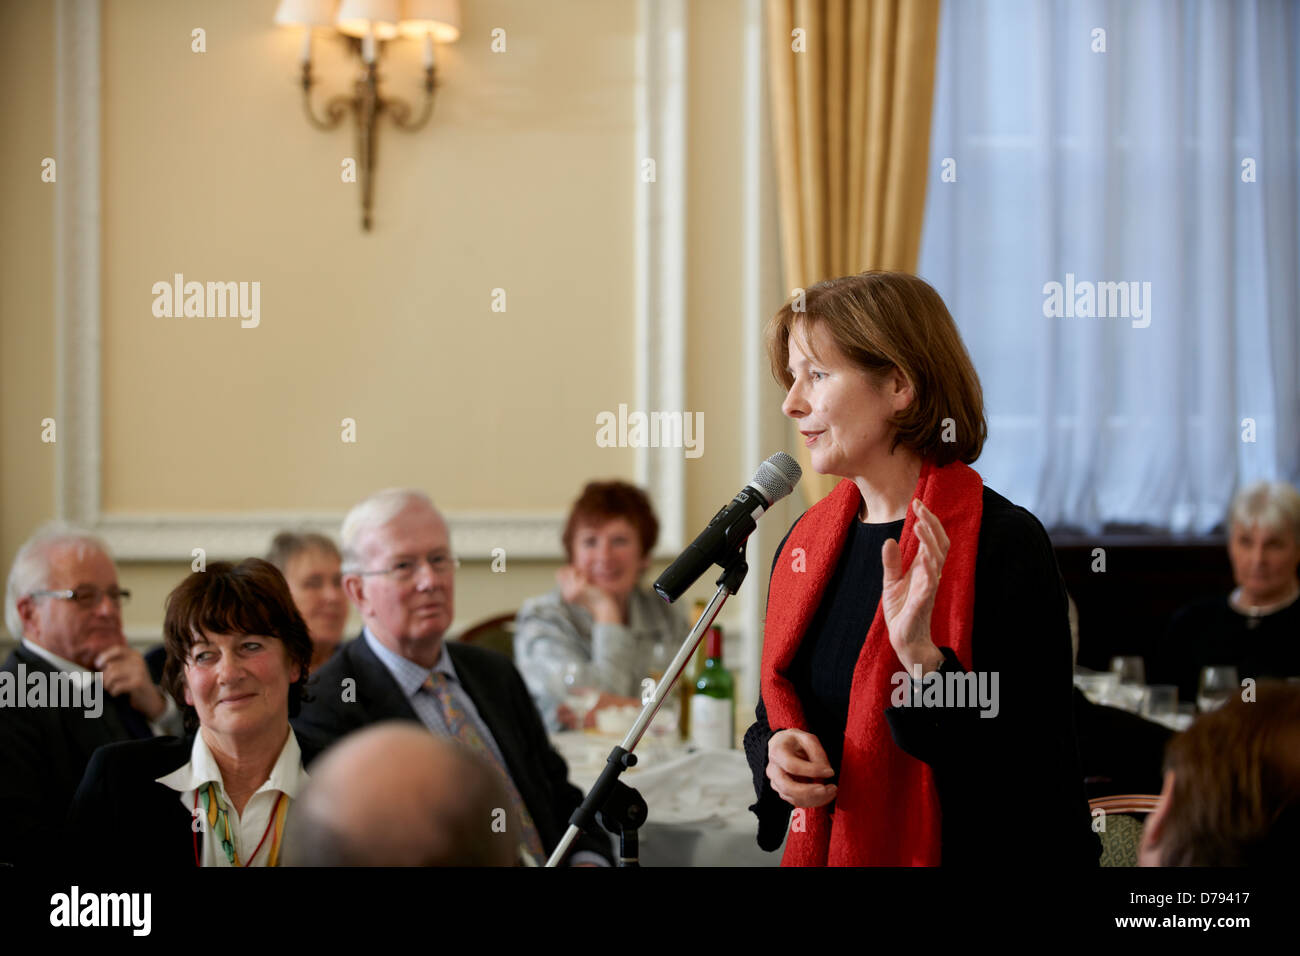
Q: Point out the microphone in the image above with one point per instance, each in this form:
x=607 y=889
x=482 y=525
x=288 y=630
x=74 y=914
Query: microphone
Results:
x=725 y=534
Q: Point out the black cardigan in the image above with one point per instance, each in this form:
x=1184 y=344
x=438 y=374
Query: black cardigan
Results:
x=1019 y=770
x=1209 y=632
x=122 y=816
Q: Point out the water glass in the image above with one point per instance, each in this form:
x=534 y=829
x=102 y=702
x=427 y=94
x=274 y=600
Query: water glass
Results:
x=1160 y=702
x=1217 y=686
x=1130 y=670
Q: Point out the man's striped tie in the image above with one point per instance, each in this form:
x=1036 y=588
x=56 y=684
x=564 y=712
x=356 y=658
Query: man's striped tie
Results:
x=463 y=729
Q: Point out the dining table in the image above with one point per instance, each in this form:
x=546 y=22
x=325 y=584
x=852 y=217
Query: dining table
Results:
x=698 y=799
x=1105 y=688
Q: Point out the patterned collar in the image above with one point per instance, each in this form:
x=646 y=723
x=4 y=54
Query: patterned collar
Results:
x=287 y=776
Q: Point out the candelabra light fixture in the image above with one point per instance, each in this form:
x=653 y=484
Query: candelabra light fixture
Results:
x=366 y=24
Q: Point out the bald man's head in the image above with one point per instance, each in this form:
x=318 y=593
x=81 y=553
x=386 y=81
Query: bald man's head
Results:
x=395 y=795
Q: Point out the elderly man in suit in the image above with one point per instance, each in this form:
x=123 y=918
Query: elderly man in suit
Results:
x=63 y=600
x=399 y=572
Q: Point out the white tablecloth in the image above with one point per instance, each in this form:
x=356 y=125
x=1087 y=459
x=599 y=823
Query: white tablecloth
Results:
x=698 y=799
x=1104 y=688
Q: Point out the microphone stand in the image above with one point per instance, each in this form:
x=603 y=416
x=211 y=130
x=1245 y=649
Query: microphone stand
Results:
x=618 y=807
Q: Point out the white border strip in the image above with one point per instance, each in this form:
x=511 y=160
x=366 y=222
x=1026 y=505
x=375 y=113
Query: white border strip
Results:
x=756 y=183
x=661 y=248
x=76 y=259
x=660 y=316
x=524 y=536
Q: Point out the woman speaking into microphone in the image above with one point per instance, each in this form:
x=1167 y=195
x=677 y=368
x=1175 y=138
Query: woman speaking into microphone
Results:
x=916 y=680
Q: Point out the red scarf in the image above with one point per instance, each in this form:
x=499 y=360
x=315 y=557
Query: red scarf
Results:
x=887 y=808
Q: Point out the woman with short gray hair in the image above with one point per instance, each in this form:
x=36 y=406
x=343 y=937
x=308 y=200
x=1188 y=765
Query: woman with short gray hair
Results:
x=312 y=566
x=1256 y=628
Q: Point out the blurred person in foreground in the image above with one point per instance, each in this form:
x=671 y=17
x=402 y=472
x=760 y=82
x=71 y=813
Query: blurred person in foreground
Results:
x=1231 y=792
x=313 y=568
x=400 y=573
x=916 y=679
x=600 y=616
x=237 y=654
x=395 y=795
x=1255 y=628
x=64 y=604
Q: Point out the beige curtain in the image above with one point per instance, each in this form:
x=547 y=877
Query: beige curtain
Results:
x=852 y=86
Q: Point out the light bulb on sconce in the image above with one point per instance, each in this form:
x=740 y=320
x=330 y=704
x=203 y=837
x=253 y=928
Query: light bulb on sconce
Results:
x=366 y=24
x=368 y=46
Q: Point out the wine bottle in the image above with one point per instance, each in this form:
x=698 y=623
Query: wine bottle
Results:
x=713 y=705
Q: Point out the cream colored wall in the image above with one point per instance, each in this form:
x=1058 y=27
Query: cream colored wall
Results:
x=525 y=180
x=210 y=170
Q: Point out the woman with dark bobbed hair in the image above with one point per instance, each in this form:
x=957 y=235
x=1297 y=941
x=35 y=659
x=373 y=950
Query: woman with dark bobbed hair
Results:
x=600 y=617
x=237 y=655
x=916 y=676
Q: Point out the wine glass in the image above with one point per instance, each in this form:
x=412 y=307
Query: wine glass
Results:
x=1130 y=672
x=659 y=656
x=580 y=690
x=1217 y=686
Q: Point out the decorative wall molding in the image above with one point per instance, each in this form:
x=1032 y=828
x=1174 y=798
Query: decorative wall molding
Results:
x=757 y=239
x=76 y=259
x=660 y=317
x=661 y=249
x=524 y=536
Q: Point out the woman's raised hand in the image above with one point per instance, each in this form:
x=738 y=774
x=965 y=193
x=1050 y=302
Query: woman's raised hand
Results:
x=577 y=588
x=907 y=600
x=797 y=767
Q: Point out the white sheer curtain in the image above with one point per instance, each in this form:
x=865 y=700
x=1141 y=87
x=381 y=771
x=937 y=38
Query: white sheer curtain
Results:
x=1123 y=166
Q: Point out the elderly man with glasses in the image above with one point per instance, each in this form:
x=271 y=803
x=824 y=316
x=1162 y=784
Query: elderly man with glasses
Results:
x=72 y=685
x=399 y=572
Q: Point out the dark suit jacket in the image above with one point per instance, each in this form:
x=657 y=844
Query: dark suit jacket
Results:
x=43 y=755
x=120 y=795
x=502 y=700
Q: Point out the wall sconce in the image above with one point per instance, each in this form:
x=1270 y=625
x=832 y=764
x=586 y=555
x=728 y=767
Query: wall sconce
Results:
x=365 y=24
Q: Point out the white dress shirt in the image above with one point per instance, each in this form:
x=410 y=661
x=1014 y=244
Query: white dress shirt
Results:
x=247 y=829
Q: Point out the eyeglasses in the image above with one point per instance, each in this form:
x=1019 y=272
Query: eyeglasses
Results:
x=443 y=565
x=87 y=597
x=319 y=583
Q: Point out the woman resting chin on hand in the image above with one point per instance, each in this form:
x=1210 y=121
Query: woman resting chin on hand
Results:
x=599 y=631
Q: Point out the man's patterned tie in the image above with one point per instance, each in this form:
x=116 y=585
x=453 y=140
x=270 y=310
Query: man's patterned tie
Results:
x=463 y=729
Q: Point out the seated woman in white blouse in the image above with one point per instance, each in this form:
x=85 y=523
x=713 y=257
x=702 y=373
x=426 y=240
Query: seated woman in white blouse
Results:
x=600 y=619
x=237 y=654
